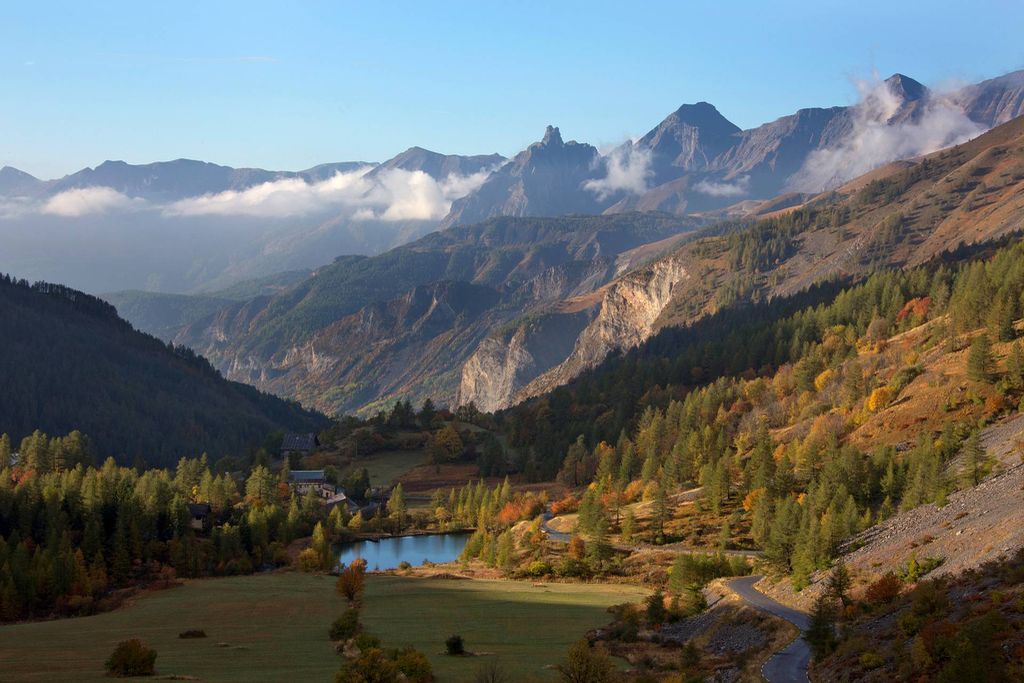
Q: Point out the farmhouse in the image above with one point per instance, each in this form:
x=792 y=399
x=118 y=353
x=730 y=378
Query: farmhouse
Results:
x=298 y=444
x=200 y=514
x=304 y=481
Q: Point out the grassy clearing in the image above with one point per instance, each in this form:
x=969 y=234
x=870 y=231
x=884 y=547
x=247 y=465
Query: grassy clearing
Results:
x=274 y=627
x=387 y=466
x=525 y=626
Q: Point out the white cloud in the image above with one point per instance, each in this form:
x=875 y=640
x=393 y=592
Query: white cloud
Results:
x=714 y=188
x=627 y=170
x=873 y=141
x=89 y=200
x=391 y=195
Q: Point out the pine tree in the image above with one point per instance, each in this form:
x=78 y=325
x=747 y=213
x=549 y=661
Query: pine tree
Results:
x=821 y=635
x=628 y=526
x=839 y=582
x=396 y=506
x=980 y=361
x=976 y=461
x=322 y=546
x=5 y=452
x=1014 y=367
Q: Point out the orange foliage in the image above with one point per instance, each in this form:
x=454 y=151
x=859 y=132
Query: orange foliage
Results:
x=351 y=581
x=633 y=491
x=915 y=308
x=884 y=589
x=751 y=500
x=577 y=548
x=565 y=506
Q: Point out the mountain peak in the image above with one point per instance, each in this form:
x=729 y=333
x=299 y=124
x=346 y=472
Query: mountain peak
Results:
x=906 y=87
x=552 y=136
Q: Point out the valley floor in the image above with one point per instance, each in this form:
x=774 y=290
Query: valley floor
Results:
x=274 y=627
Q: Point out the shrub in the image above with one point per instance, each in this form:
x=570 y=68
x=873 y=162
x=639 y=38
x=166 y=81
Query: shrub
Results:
x=909 y=624
x=491 y=672
x=404 y=566
x=415 y=665
x=884 y=590
x=346 y=626
x=656 y=612
x=871 y=660
x=364 y=642
x=455 y=645
x=538 y=568
x=308 y=561
x=586 y=663
x=131 y=658
x=371 y=665
x=193 y=633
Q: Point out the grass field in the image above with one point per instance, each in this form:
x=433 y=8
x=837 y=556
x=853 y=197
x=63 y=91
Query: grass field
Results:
x=274 y=627
x=387 y=466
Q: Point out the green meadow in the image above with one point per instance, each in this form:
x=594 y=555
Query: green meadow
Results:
x=274 y=627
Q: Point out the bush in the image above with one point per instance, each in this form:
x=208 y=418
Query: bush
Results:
x=346 y=626
x=404 y=566
x=415 y=665
x=371 y=665
x=309 y=561
x=656 y=612
x=193 y=633
x=884 y=590
x=131 y=658
x=455 y=645
x=364 y=642
x=871 y=660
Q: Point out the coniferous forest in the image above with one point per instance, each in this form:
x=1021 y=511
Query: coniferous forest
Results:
x=69 y=362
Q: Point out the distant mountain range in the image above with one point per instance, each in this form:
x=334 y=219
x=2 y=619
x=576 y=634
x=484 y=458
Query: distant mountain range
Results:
x=696 y=160
x=499 y=304
x=496 y=311
x=193 y=226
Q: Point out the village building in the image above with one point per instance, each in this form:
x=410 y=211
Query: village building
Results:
x=200 y=516
x=304 y=481
x=299 y=445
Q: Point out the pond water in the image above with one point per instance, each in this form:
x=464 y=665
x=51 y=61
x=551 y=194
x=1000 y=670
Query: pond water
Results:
x=388 y=553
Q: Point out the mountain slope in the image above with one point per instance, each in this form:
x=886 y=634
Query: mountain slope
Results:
x=401 y=323
x=69 y=362
x=904 y=215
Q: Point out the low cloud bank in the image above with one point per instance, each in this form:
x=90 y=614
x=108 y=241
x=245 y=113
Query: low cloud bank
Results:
x=713 y=188
x=627 y=169
x=874 y=141
x=89 y=200
x=393 y=195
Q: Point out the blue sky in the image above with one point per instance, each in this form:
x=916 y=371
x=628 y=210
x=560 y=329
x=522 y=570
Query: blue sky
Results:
x=288 y=85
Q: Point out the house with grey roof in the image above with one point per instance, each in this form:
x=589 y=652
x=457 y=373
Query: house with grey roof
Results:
x=304 y=481
x=298 y=444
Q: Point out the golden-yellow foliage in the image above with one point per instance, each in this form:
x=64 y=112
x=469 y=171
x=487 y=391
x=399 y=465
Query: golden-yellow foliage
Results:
x=879 y=399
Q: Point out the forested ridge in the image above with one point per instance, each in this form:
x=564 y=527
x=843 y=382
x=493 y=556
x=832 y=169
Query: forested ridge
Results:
x=761 y=407
x=69 y=362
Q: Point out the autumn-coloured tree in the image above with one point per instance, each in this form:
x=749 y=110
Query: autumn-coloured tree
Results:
x=351 y=581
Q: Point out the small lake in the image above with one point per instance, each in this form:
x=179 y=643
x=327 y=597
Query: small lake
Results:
x=388 y=553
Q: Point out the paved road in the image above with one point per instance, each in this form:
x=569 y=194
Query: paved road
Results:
x=552 y=534
x=788 y=665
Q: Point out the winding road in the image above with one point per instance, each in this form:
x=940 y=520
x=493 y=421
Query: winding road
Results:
x=788 y=665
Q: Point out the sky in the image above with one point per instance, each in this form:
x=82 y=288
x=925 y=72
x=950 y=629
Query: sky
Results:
x=286 y=86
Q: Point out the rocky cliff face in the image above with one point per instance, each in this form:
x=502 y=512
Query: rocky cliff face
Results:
x=545 y=179
x=540 y=354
